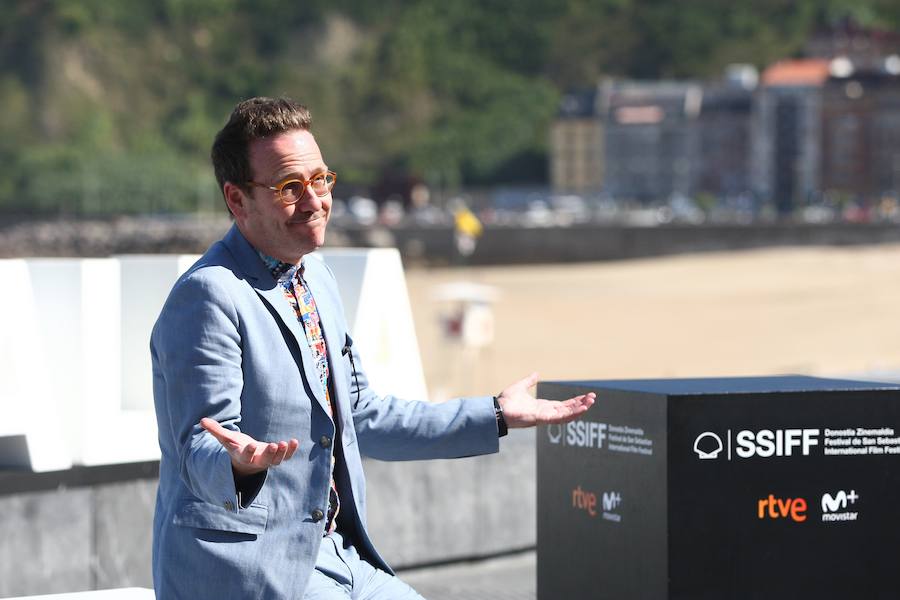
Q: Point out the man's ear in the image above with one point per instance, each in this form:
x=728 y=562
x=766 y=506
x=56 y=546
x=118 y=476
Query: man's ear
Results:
x=236 y=200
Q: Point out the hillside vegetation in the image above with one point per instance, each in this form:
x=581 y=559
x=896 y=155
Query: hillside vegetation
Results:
x=111 y=105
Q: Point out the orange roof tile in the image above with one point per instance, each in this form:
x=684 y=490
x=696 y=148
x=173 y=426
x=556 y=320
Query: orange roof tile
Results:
x=804 y=72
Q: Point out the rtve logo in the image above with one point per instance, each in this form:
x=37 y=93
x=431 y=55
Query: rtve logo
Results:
x=581 y=434
x=584 y=500
x=777 y=508
x=764 y=443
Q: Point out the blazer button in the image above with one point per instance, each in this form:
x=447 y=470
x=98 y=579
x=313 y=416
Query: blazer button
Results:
x=317 y=515
x=325 y=441
x=228 y=505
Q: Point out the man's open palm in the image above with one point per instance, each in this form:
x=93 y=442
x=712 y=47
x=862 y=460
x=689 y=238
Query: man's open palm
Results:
x=521 y=409
x=249 y=456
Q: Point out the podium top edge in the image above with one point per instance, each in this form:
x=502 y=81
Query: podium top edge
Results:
x=730 y=385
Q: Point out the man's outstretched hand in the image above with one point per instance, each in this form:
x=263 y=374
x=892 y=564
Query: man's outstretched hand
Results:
x=247 y=455
x=521 y=409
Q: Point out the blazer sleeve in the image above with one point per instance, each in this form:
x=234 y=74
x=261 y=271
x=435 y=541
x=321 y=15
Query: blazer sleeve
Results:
x=196 y=351
x=390 y=428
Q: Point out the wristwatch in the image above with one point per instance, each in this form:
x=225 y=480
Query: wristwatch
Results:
x=502 y=429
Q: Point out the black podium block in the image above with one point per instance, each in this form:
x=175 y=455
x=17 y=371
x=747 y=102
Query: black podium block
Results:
x=766 y=487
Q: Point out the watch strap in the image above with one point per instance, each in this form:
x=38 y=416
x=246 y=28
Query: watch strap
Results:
x=502 y=428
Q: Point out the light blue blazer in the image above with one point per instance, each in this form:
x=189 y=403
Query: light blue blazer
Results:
x=227 y=345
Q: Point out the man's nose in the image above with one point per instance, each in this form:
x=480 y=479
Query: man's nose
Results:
x=310 y=199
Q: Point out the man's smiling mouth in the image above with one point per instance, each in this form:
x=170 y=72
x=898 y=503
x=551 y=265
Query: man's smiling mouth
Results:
x=308 y=218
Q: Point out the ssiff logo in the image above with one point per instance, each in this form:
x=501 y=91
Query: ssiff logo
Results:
x=582 y=434
x=554 y=432
x=764 y=443
x=708 y=445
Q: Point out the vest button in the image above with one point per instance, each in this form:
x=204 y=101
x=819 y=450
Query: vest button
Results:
x=325 y=441
x=317 y=515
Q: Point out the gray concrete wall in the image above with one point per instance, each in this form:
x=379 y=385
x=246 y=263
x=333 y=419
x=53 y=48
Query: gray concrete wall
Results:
x=76 y=539
x=435 y=245
x=65 y=533
x=517 y=245
x=438 y=511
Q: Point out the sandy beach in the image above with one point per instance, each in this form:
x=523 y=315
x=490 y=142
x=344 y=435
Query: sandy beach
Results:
x=822 y=311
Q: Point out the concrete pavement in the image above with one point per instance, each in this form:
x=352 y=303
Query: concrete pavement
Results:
x=510 y=577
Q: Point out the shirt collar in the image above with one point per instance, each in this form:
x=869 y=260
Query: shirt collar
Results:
x=280 y=270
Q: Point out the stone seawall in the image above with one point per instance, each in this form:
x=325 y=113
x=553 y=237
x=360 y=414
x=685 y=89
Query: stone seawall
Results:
x=586 y=243
x=435 y=245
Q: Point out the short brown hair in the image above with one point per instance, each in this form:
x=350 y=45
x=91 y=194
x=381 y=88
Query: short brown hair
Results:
x=251 y=120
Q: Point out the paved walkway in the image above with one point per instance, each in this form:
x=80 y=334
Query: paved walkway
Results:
x=506 y=578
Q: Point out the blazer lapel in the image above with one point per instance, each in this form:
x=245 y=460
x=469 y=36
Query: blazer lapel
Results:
x=272 y=294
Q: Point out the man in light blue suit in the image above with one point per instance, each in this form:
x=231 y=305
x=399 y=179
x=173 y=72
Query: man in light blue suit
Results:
x=262 y=402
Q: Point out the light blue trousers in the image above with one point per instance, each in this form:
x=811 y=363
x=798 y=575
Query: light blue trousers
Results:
x=340 y=574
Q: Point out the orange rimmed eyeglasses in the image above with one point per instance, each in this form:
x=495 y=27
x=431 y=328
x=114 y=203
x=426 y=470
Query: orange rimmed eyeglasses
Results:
x=291 y=190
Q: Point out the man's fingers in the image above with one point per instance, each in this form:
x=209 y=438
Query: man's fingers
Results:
x=292 y=447
x=567 y=410
x=583 y=402
x=280 y=454
x=264 y=454
x=525 y=383
x=529 y=381
x=245 y=455
x=579 y=404
x=216 y=429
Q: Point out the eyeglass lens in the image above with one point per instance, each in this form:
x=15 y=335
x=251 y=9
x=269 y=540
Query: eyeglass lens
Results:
x=294 y=190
